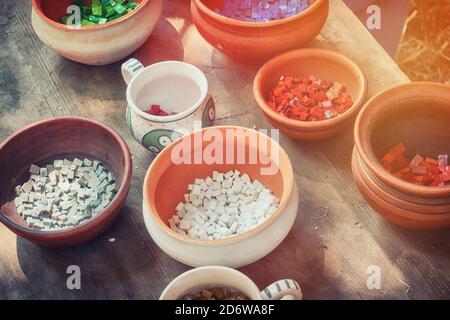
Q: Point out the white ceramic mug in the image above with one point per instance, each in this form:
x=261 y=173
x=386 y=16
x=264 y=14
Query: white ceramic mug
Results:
x=178 y=87
x=215 y=276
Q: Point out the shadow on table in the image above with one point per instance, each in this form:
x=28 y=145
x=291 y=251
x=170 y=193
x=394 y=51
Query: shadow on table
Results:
x=422 y=257
x=303 y=263
x=131 y=267
x=106 y=82
x=164 y=44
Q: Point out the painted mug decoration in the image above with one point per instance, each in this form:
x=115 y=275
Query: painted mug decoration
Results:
x=165 y=101
x=211 y=278
x=155 y=140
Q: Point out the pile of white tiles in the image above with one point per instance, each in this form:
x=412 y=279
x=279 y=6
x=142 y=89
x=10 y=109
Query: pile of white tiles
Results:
x=65 y=193
x=222 y=206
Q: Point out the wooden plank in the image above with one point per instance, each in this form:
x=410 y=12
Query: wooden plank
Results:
x=328 y=255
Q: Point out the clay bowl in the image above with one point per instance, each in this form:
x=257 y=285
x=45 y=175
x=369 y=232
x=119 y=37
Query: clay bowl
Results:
x=323 y=64
x=166 y=182
x=94 y=45
x=254 y=42
x=418 y=115
x=58 y=138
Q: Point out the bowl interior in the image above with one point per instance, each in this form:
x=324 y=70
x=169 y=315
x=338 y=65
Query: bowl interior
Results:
x=50 y=140
x=323 y=66
x=55 y=10
x=423 y=126
x=167 y=182
x=176 y=86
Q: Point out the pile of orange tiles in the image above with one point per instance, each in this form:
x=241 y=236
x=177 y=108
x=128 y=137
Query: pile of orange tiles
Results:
x=420 y=170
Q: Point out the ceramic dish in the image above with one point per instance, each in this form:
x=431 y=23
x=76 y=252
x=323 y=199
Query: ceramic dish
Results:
x=323 y=64
x=206 y=277
x=256 y=42
x=417 y=115
x=56 y=139
x=166 y=183
x=175 y=86
x=99 y=44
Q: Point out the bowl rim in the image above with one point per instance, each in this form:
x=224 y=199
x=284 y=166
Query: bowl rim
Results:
x=256 y=293
x=300 y=54
x=234 y=22
x=204 y=88
x=105 y=213
x=37 y=8
x=288 y=184
x=362 y=139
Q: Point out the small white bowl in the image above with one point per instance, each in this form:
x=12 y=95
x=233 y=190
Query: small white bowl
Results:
x=214 y=276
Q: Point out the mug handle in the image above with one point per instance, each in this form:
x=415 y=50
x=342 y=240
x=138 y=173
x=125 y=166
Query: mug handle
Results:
x=130 y=69
x=286 y=289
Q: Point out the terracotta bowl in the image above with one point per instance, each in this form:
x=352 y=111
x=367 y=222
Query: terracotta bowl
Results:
x=418 y=115
x=323 y=64
x=255 y=42
x=53 y=139
x=94 y=45
x=166 y=183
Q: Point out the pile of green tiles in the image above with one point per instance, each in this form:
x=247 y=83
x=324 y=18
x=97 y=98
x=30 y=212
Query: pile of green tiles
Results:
x=101 y=11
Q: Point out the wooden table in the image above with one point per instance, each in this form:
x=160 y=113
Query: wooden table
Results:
x=328 y=255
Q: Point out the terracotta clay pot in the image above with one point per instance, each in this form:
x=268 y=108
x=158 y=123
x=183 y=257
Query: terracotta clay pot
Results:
x=256 y=42
x=323 y=64
x=94 y=45
x=59 y=138
x=418 y=115
x=167 y=181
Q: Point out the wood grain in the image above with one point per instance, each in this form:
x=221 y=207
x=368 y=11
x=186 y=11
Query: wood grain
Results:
x=328 y=255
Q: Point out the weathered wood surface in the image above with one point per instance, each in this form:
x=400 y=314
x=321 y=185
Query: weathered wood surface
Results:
x=328 y=256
